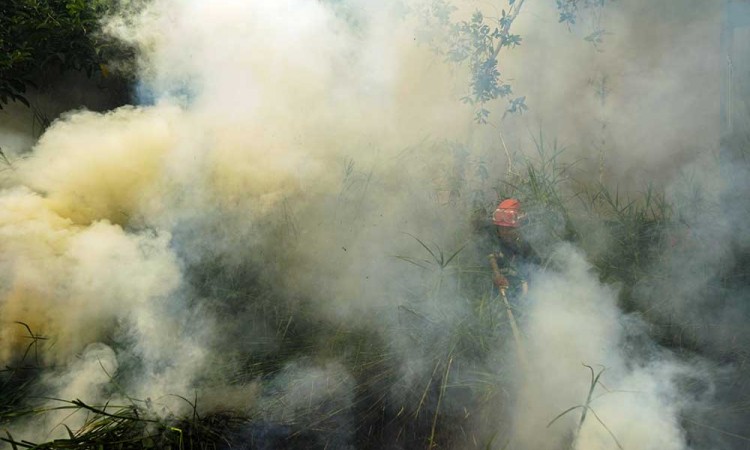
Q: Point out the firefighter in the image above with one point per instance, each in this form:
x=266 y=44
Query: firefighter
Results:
x=512 y=255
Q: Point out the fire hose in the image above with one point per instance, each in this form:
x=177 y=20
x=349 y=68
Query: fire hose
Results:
x=517 y=337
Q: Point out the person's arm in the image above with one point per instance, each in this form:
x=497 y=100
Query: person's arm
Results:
x=497 y=276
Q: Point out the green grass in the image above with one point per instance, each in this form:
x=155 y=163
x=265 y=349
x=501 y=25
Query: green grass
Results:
x=134 y=426
x=448 y=317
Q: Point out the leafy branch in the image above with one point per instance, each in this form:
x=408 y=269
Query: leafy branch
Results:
x=478 y=42
x=41 y=38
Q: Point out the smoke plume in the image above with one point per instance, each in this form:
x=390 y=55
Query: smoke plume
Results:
x=286 y=211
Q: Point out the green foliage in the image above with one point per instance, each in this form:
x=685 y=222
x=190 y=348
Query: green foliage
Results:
x=42 y=36
x=545 y=186
x=17 y=379
x=570 y=9
x=586 y=408
x=136 y=426
x=455 y=343
x=635 y=224
x=478 y=42
x=439 y=259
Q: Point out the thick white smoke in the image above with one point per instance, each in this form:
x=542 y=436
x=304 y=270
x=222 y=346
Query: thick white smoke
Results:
x=290 y=157
x=574 y=322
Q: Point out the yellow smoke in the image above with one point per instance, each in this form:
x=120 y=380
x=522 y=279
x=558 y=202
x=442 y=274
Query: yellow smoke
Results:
x=274 y=114
x=278 y=96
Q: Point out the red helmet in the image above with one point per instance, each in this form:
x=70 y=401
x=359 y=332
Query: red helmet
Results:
x=508 y=213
